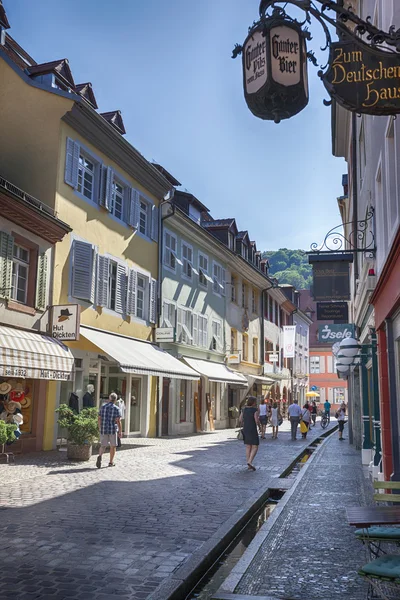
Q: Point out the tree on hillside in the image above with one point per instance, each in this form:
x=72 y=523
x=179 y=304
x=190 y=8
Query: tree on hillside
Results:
x=290 y=266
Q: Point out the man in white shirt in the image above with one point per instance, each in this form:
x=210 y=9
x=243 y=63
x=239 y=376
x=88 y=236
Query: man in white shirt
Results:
x=294 y=412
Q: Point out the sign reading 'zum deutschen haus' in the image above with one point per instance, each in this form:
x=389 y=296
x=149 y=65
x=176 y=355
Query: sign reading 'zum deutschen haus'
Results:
x=363 y=79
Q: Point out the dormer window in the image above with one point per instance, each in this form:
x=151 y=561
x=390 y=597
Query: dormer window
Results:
x=245 y=251
x=194 y=214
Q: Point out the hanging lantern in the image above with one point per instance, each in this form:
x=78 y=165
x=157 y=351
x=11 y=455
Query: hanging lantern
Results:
x=275 y=68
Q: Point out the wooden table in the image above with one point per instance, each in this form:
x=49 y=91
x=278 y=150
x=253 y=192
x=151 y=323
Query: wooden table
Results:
x=366 y=516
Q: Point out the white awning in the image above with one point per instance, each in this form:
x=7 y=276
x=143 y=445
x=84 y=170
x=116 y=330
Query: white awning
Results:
x=260 y=379
x=136 y=356
x=30 y=355
x=216 y=371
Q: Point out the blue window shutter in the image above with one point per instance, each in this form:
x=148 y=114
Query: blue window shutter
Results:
x=41 y=282
x=121 y=291
x=131 y=295
x=72 y=163
x=83 y=271
x=134 y=209
x=6 y=251
x=127 y=204
x=153 y=301
x=154 y=223
x=223 y=282
x=103 y=268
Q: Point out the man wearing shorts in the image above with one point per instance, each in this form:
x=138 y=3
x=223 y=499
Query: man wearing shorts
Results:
x=109 y=425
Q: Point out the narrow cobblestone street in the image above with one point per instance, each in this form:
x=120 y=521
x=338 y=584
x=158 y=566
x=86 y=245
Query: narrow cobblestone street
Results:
x=70 y=530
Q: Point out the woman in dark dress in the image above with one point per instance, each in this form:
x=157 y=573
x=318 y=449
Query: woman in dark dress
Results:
x=250 y=421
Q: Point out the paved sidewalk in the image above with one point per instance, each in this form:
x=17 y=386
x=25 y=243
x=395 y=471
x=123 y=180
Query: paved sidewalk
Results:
x=310 y=552
x=69 y=530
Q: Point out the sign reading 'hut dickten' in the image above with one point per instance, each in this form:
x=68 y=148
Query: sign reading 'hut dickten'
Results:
x=364 y=79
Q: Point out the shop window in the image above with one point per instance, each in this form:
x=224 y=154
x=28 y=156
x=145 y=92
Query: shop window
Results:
x=183 y=400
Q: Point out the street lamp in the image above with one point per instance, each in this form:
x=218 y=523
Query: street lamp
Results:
x=349 y=348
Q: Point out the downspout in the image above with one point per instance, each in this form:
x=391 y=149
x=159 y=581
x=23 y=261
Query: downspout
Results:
x=395 y=476
x=355 y=197
x=166 y=200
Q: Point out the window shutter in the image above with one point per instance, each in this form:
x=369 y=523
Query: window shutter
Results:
x=127 y=203
x=154 y=223
x=179 y=324
x=6 y=251
x=322 y=364
x=72 y=163
x=103 y=269
x=131 y=296
x=330 y=364
x=195 y=329
x=223 y=281
x=121 y=291
x=41 y=282
x=134 y=209
x=83 y=271
x=153 y=301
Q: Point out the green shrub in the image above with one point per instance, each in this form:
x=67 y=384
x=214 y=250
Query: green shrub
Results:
x=82 y=428
x=7 y=432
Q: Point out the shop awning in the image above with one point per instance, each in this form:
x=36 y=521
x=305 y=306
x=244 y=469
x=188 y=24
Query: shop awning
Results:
x=261 y=379
x=135 y=356
x=33 y=356
x=216 y=371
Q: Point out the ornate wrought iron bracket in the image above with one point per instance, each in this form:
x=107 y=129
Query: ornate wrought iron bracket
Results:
x=360 y=240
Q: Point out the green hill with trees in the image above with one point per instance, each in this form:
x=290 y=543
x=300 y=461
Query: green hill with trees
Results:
x=290 y=266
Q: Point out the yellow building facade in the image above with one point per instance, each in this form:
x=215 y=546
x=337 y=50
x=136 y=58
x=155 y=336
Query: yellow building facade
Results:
x=59 y=147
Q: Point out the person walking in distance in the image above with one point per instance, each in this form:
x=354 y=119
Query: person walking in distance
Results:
x=313 y=411
x=263 y=416
x=275 y=417
x=109 y=425
x=327 y=408
x=341 y=415
x=305 y=421
x=249 y=419
x=294 y=413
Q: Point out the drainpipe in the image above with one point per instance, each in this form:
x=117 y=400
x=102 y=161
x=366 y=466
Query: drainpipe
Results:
x=395 y=476
x=166 y=200
x=377 y=412
x=355 y=197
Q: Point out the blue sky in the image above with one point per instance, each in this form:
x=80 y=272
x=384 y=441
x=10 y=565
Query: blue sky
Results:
x=167 y=66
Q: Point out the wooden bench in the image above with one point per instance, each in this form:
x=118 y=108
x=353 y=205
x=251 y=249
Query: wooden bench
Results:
x=386 y=485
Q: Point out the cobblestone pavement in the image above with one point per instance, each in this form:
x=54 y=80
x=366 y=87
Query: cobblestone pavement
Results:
x=311 y=552
x=69 y=530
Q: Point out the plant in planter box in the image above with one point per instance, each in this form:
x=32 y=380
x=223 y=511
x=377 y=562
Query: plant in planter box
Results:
x=7 y=433
x=82 y=430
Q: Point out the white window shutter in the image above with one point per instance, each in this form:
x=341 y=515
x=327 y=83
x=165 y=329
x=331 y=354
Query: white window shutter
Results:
x=41 y=282
x=330 y=364
x=134 y=209
x=127 y=203
x=83 y=276
x=121 y=291
x=195 y=329
x=109 y=188
x=103 y=270
x=131 y=296
x=6 y=252
x=153 y=301
x=154 y=223
x=223 y=281
x=72 y=163
x=179 y=324
x=322 y=364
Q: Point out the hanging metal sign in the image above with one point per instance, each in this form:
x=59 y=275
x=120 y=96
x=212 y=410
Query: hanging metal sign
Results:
x=332 y=311
x=363 y=79
x=330 y=334
x=331 y=276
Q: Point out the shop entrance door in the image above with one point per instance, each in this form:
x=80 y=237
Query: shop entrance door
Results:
x=136 y=401
x=165 y=406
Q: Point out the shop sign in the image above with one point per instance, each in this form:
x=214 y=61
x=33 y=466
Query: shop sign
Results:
x=65 y=322
x=332 y=311
x=363 y=79
x=273 y=358
x=234 y=359
x=289 y=339
x=330 y=334
x=331 y=278
x=165 y=334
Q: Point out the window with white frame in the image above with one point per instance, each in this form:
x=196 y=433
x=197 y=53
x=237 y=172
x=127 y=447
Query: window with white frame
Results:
x=202 y=331
x=314 y=364
x=216 y=335
x=20 y=272
x=184 y=326
x=144 y=217
x=117 y=199
x=203 y=270
x=187 y=259
x=142 y=295
x=170 y=246
x=231 y=241
x=86 y=175
x=112 y=285
x=338 y=395
x=169 y=312
x=218 y=279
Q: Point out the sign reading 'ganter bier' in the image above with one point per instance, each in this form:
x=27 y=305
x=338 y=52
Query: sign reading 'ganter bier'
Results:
x=363 y=79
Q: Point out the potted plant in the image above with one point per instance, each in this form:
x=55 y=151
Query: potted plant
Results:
x=82 y=431
x=7 y=433
x=234 y=414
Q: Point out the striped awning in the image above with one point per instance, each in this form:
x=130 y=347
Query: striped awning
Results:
x=138 y=356
x=31 y=355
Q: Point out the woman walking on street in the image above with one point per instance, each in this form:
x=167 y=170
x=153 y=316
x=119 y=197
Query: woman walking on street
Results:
x=249 y=418
x=341 y=415
x=305 y=421
x=263 y=415
x=275 y=416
